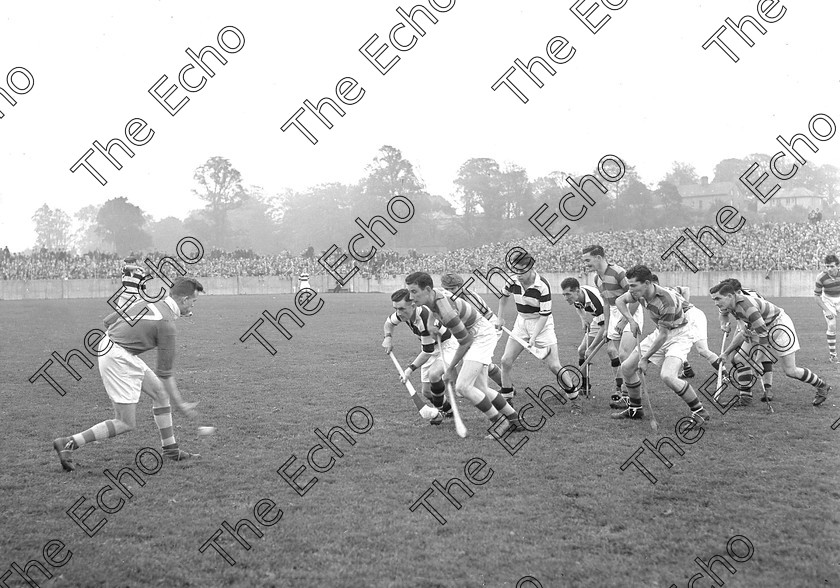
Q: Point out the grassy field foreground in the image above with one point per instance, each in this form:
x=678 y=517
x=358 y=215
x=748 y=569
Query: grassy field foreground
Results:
x=559 y=510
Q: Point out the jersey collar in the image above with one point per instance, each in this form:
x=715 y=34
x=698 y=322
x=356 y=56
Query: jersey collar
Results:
x=170 y=302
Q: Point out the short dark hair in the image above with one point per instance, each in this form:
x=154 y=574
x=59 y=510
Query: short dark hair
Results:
x=734 y=281
x=570 y=283
x=654 y=278
x=714 y=289
x=596 y=250
x=451 y=281
x=186 y=287
x=831 y=258
x=726 y=289
x=422 y=279
x=400 y=295
x=640 y=273
x=523 y=262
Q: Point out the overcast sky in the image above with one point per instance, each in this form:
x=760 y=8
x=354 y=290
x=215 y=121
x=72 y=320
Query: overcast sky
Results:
x=641 y=88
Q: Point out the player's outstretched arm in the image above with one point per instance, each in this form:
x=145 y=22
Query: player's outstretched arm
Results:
x=186 y=408
x=621 y=303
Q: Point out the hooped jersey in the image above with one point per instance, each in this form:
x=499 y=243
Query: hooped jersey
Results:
x=613 y=283
x=420 y=322
x=668 y=307
x=758 y=314
x=456 y=314
x=533 y=301
x=132 y=277
x=592 y=303
x=745 y=292
x=827 y=286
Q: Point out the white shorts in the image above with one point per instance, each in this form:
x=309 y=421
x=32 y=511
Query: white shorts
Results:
x=484 y=342
x=832 y=303
x=677 y=344
x=615 y=317
x=122 y=373
x=697 y=324
x=524 y=328
x=448 y=349
x=433 y=361
x=783 y=338
x=595 y=326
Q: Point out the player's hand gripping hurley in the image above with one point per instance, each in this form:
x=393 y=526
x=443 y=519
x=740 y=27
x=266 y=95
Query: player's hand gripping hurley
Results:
x=532 y=350
x=456 y=415
x=418 y=402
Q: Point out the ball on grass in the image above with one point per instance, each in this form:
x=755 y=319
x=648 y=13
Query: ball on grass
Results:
x=206 y=430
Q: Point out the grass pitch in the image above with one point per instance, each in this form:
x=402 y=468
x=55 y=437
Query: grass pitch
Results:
x=560 y=510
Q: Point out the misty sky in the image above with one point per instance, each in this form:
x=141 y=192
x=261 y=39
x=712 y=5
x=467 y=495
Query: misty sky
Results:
x=641 y=88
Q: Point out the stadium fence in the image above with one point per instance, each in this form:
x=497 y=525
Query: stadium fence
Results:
x=775 y=284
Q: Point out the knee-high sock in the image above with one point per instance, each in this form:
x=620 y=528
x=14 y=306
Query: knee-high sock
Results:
x=163 y=420
x=98 y=432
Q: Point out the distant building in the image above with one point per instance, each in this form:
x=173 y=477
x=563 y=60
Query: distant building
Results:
x=790 y=197
x=705 y=195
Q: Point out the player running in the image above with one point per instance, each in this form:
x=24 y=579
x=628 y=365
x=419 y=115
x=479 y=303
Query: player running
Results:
x=534 y=324
x=771 y=325
x=476 y=342
x=700 y=330
x=419 y=320
x=590 y=308
x=125 y=375
x=827 y=291
x=743 y=371
x=612 y=283
x=667 y=346
x=453 y=283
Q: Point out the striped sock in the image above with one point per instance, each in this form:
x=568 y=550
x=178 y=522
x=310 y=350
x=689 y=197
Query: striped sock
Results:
x=634 y=391
x=689 y=396
x=98 y=432
x=495 y=374
x=500 y=404
x=163 y=420
x=810 y=377
x=486 y=406
x=832 y=343
x=506 y=392
x=438 y=388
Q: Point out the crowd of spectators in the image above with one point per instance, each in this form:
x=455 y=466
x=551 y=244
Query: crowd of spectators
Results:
x=768 y=246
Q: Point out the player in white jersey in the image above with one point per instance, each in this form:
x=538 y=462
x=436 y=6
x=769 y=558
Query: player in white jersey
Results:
x=534 y=325
x=303 y=281
x=134 y=277
x=589 y=305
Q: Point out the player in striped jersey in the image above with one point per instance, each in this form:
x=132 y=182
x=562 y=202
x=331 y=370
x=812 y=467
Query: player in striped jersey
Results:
x=701 y=344
x=742 y=372
x=134 y=277
x=303 y=281
x=534 y=324
x=827 y=291
x=125 y=375
x=667 y=346
x=476 y=342
x=419 y=320
x=590 y=308
x=453 y=283
x=771 y=325
x=612 y=283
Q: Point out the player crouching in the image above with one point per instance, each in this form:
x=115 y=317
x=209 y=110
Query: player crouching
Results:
x=419 y=319
x=771 y=325
x=476 y=342
x=667 y=346
x=125 y=375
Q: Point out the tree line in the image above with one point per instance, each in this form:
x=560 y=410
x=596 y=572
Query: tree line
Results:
x=491 y=202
